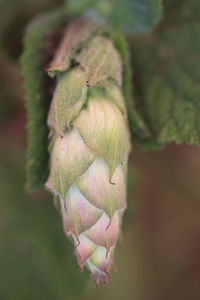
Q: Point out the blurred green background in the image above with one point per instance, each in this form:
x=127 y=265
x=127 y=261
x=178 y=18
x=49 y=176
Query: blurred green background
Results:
x=158 y=256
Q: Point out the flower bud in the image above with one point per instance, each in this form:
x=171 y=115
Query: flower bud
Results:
x=89 y=152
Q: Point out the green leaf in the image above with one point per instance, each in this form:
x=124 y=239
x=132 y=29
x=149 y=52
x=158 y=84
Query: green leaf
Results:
x=36 y=95
x=167 y=70
x=139 y=130
x=132 y=16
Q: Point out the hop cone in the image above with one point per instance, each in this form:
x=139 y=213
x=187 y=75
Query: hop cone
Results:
x=89 y=148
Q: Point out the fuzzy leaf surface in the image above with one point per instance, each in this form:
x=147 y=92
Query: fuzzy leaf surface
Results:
x=166 y=66
x=36 y=95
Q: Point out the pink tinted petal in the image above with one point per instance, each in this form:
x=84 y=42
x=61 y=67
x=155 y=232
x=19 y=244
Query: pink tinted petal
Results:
x=84 y=249
x=78 y=213
x=105 y=231
x=100 y=264
x=95 y=185
x=97 y=275
x=102 y=258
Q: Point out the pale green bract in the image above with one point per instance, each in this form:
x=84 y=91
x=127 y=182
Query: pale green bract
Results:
x=89 y=151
